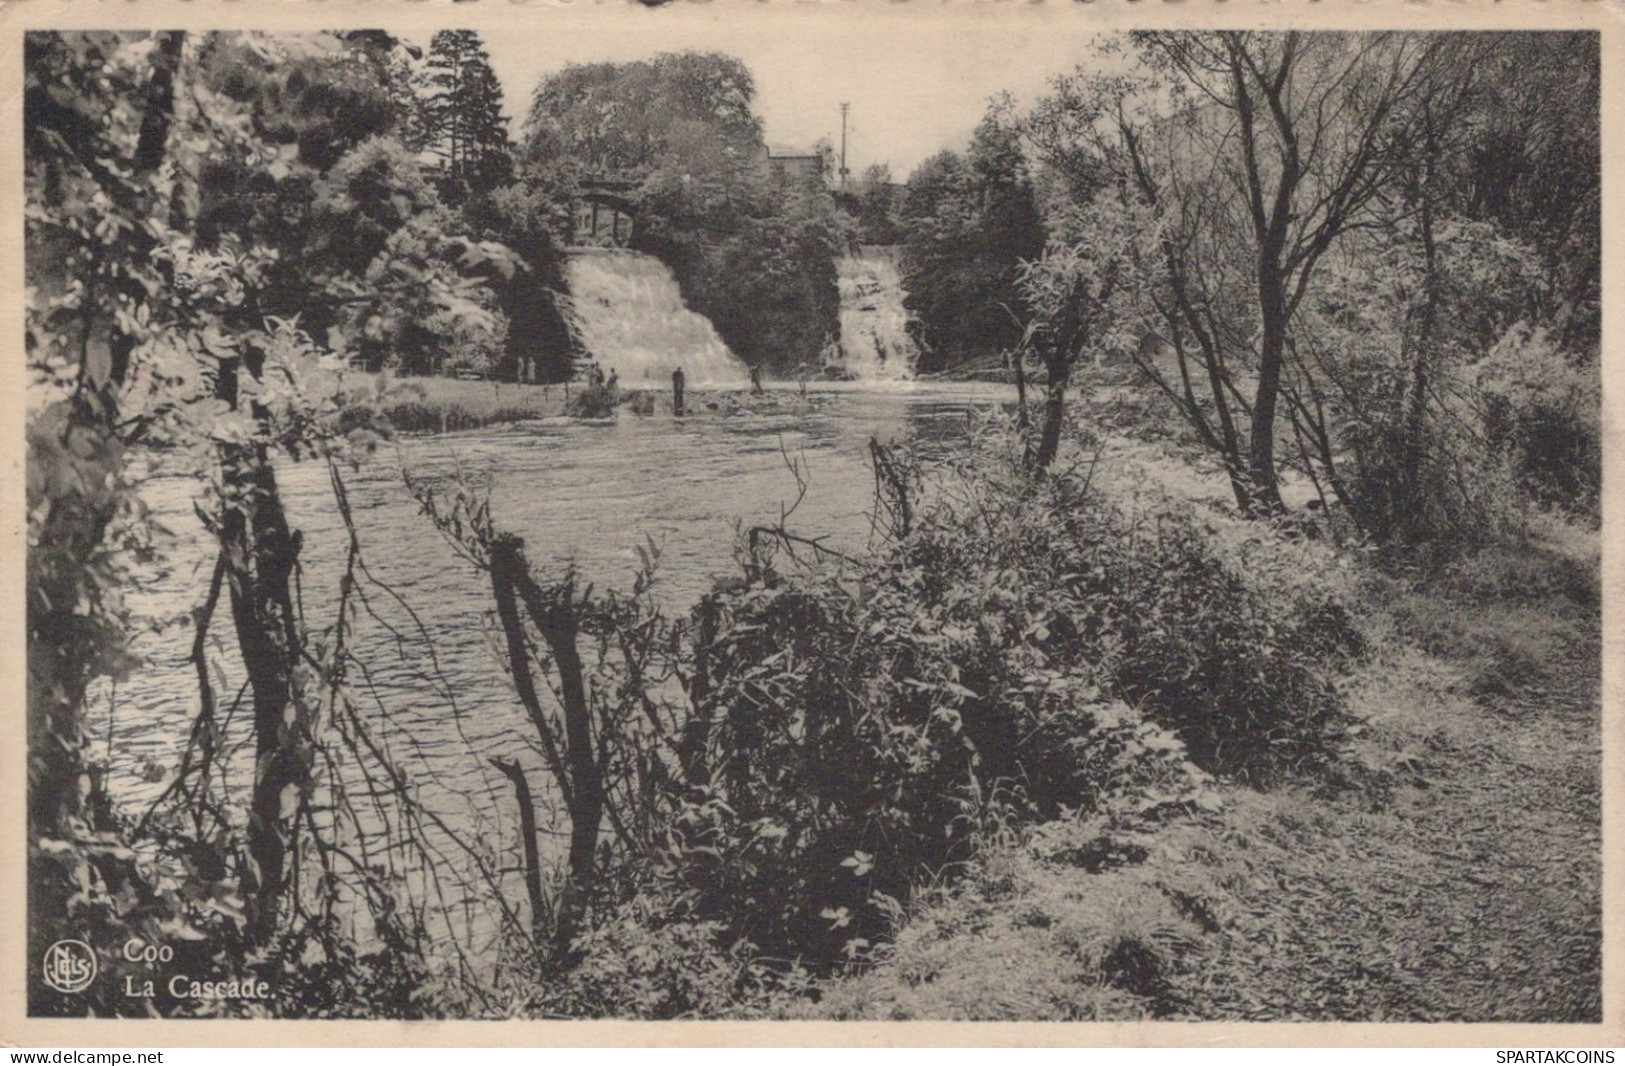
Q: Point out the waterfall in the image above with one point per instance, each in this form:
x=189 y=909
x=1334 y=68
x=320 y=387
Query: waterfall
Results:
x=627 y=312
x=875 y=345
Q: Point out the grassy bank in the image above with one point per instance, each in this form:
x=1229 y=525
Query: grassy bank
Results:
x=444 y=405
x=448 y=405
x=1445 y=866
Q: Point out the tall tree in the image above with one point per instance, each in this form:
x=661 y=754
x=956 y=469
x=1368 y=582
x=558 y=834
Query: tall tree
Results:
x=968 y=221
x=98 y=109
x=1300 y=126
x=1257 y=152
x=462 y=114
x=622 y=118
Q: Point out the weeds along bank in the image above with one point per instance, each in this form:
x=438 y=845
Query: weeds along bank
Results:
x=755 y=794
x=1447 y=869
x=1439 y=859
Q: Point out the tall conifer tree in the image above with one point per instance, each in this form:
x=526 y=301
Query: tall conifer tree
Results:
x=462 y=114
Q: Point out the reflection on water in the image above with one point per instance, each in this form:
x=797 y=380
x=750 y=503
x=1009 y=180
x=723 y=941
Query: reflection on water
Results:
x=582 y=494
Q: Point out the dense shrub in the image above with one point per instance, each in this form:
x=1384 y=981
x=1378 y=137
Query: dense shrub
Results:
x=1019 y=650
x=592 y=401
x=1544 y=410
x=1230 y=648
x=782 y=768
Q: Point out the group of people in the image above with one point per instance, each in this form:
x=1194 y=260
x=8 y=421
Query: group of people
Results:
x=595 y=376
x=594 y=373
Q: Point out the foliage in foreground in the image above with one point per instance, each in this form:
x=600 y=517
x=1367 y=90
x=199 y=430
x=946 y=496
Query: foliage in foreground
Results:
x=843 y=730
x=1397 y=888
x=201 y=206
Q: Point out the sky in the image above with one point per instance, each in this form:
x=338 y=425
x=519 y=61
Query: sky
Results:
x=918 y=78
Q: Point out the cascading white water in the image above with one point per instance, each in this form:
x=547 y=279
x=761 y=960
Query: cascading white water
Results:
x=875 y=345
x=628 y=314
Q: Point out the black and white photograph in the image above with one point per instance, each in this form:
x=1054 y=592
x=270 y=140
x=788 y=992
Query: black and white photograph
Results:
x=841 y=514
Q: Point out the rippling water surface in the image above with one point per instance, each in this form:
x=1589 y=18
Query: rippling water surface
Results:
x=581 y=493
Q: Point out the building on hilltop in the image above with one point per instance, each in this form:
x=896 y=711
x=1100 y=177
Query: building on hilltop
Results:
x=790 y=165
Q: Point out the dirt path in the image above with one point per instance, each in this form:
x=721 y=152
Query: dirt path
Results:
x=1465 y=890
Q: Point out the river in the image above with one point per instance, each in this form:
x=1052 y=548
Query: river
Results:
x=587 y=494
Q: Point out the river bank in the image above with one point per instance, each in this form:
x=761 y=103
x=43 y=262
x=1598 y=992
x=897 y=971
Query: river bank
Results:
x=443 y=405
x=1445 y=866
x=450 y=405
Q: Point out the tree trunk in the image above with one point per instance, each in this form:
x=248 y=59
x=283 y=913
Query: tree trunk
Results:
x=1266 y=490
x=1415 y=446
x=527 y=830
x=1049 y=440
x=580 y=782
x=261 y=554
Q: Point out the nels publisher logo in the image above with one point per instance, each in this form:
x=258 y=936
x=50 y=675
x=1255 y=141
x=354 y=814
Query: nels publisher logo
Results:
x=70 y=966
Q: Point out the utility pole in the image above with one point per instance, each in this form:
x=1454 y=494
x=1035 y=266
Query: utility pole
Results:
x=843 y=145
